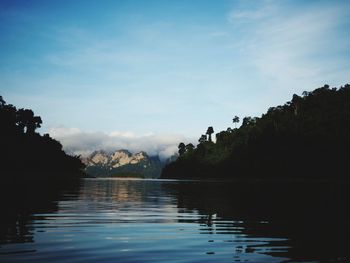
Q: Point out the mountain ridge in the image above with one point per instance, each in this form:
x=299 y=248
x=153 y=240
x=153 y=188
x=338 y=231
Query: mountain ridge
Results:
x=123 y=163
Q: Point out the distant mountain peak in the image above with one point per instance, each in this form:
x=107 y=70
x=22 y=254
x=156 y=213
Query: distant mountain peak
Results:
x=114 y=159
x=103 y=163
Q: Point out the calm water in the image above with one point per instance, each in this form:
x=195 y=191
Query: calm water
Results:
x=109 y=220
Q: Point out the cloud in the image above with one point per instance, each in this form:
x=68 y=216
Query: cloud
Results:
x=250 y=13
x=295 y=46
x=79 y=142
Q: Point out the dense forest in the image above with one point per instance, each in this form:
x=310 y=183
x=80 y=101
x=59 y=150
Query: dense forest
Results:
x=26 y=155
x=306 y=138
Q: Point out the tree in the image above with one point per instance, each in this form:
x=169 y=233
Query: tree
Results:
x=189 y=147
x=41 y=152
x=210 y=131
x=302 y=131
x=202 y=139
x=296 y=100
x=182 y=148
x=27 y=120
x=248 y=121
x=2 y=102
x=235 y=120
x=34 y=124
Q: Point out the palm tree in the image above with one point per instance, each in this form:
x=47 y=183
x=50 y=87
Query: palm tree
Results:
x=210 y=131
x=235 y=120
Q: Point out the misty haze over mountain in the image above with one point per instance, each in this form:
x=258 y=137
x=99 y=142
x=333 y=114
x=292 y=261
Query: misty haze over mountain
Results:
x=82 y=143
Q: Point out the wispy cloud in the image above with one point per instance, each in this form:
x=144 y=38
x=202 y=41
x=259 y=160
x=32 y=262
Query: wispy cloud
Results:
x=149 y=67
x=260 y=10
x=78 y=142
x=295 y=47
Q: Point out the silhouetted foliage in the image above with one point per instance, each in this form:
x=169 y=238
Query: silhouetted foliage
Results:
x=235 y=120
x=307 y=137
x=189 y=148
x=210 y=131
x=26 y=155
x=182 y=148
x=202 y=139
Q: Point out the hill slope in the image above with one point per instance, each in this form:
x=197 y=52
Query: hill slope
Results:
x=307 y=137
x=27 y=156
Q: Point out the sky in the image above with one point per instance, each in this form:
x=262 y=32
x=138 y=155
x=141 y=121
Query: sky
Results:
x=148 y=74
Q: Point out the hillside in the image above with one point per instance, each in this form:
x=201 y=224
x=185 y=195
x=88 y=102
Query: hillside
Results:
x=27 y=156
x=306 y=138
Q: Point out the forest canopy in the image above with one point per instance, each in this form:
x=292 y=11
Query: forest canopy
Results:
x=27 y=155
x=306 y=138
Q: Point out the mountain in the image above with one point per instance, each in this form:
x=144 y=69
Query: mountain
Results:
x=122 y=163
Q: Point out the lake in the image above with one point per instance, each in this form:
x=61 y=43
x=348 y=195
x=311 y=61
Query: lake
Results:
x=116 y=220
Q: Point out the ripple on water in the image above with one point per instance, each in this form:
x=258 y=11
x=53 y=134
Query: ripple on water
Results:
x=144 y=221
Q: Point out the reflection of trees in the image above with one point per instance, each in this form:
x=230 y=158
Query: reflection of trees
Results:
x=309 y=220
x=16 y=229
x=18 y=206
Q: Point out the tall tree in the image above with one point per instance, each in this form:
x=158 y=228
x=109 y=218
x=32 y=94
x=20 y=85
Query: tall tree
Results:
x=235 y=120
x=210 y=131
x=182 y=148
x=2 y=102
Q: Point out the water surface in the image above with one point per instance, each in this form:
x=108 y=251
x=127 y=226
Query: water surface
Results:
x=111 y=220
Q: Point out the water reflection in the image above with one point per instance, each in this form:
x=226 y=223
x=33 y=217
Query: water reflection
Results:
x=18 y=204
x=302 y=222
x=109 y=220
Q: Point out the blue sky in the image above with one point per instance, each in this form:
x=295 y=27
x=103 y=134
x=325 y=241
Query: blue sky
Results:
x=140 y=68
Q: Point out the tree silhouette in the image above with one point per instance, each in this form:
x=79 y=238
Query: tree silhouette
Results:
x=202 y=139
x=235 y=120
x=296 y=101
x=247 y=121
x=26 y=121
x=312 y=130
x=2 y=102
x=182 y=148
x=210 y=131
x=189 y=148
x=42 y=154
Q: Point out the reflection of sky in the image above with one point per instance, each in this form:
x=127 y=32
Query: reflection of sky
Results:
x=167 y=66
x=123 y=201
x=152 y=221
x=140 y=221
x=144 y=221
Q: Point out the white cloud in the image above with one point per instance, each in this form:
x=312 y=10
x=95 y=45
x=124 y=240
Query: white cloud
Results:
x=78 y=142
x=295 y=48
x=247 y=15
